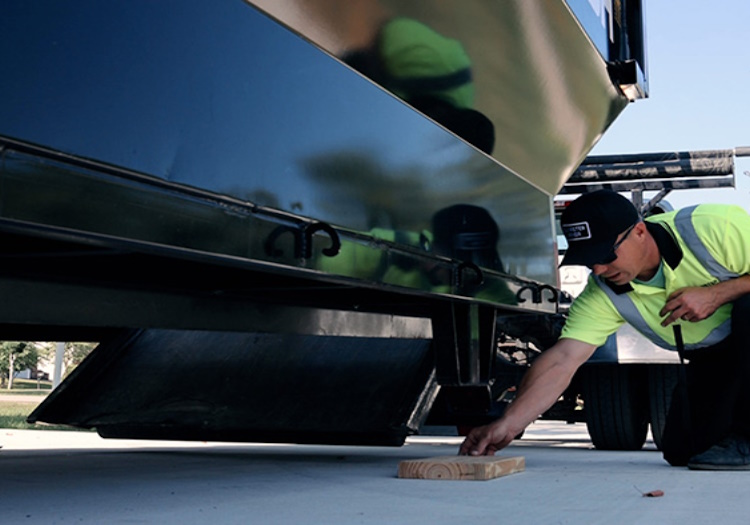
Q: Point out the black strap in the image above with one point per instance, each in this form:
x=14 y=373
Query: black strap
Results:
x=427 y=84
x=682 y=386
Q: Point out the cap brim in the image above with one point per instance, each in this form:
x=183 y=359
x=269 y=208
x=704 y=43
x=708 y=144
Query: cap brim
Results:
x=587 y=255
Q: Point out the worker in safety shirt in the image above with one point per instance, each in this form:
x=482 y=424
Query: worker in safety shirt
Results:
x=431 y=72
x=689 y=268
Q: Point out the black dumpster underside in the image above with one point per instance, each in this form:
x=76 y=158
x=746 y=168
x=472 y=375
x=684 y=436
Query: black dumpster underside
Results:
x=232 y=386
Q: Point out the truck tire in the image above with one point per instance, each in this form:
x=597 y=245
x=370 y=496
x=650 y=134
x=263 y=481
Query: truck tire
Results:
x=615 y=403
x=662 y=380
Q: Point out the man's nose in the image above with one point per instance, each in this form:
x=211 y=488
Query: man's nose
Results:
x=598 y=269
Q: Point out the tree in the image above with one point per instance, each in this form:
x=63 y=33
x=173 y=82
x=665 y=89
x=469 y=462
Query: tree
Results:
x=74 y=354
x=22 y=355
x=16 y=356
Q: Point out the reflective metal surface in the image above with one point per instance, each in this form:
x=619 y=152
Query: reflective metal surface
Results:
x=540 y=80
x=222 y=98
x=381 y=173
x=119 y=211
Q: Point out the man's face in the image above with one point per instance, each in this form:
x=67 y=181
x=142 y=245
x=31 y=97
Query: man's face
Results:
x=629 y=262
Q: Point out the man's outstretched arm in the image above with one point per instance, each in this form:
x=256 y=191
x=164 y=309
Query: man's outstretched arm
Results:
x=540 y=388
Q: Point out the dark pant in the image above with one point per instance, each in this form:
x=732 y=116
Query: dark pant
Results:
x=717 y=388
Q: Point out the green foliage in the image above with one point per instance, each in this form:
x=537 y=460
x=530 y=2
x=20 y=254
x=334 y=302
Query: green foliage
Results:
x=31 y=355
x=24 y=355
x=13 y=415
x=75 y=353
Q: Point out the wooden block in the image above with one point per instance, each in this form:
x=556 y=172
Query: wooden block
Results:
x=461 y=467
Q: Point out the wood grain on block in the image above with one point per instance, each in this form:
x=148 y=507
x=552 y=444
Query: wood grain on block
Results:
x=461 y=467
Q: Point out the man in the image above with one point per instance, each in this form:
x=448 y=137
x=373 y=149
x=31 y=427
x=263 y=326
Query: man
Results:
x=689 y=269
x=431 y=72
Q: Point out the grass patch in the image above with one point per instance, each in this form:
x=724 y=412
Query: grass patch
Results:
x=27 y=386
x=41 y=393
x=14 y=414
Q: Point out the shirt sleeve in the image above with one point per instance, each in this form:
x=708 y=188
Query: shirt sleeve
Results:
x=737 y=241
x=592 y=317
x=726 y=235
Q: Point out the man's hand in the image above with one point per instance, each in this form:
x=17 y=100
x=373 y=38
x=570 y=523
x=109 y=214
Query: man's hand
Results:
x=691 y=304
x=697 y=303
x=486 y=440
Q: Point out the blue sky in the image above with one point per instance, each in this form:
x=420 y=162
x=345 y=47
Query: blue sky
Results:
x=699 y=76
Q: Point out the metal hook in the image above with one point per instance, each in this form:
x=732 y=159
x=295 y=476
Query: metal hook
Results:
x=315 y=227
x=535 y=295
x=553 y=298
x=467 y=265
x=270 y=244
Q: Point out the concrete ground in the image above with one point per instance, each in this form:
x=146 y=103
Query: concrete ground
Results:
x=77 y=477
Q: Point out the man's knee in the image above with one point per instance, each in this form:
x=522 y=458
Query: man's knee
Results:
x=741 y=310
x=741 y=320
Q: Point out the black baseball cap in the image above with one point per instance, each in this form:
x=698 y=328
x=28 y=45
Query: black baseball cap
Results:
x=591 y=224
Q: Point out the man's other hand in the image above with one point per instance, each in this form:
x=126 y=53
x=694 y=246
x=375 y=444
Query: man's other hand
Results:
x=486 y=440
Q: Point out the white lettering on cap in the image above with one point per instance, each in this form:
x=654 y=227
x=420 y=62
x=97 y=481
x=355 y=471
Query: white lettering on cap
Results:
x=577 y=231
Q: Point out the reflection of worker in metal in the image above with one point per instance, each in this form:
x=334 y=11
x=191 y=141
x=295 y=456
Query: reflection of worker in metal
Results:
x=689 y=269
x=461 y=232
x=430 y=72
x=365 y=261
x=469 y=233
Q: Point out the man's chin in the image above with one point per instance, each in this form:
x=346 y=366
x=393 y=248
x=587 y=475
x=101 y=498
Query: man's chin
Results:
x=618 y=279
